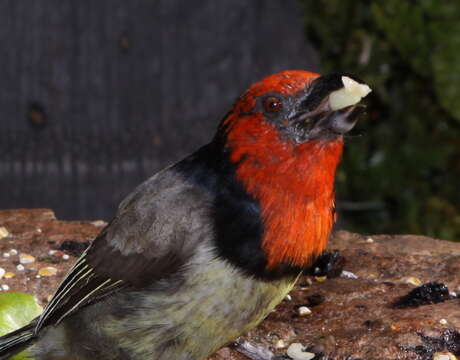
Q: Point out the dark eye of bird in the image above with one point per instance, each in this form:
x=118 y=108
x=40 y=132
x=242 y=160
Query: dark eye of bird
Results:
x=272 y=104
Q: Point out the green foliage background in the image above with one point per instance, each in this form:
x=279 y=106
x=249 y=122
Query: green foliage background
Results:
x=402 y=175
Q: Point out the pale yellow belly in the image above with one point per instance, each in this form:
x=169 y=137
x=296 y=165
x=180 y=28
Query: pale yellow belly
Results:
x=211 y=309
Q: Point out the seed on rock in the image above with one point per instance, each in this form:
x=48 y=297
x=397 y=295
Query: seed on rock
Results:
x=303 y=311
x=280 y=344
x=9 y=275
x=3 y=232
x=26 y=259
x=413 y=281
x=348 y=275
x=5 y=287
x=2 y=273
x=296 y=352
x=47 y=271
x=444 y=356
x=20 y=267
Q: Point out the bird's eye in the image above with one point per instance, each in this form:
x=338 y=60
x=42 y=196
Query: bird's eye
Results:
x=272 y=104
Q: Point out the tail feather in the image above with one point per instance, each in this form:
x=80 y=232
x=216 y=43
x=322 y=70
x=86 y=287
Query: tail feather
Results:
x=16 y=341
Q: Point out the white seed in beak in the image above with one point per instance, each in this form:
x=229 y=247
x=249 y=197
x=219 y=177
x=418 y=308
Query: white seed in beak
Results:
x=351 y=93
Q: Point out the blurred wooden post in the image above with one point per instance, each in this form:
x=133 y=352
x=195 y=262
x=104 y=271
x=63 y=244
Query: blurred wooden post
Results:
x=97 y=95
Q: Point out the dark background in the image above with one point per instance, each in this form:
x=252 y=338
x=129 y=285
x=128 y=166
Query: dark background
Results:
x=95 y=96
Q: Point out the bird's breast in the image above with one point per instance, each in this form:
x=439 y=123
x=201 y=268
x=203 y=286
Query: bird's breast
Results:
x=215 y=304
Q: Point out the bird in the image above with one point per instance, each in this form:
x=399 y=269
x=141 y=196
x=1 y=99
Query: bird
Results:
x=204 y=250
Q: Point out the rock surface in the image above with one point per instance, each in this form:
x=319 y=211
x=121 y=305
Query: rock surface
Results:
x=353 y=316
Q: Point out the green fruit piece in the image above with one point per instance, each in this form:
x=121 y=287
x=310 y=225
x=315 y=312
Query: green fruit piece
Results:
x=17 y=310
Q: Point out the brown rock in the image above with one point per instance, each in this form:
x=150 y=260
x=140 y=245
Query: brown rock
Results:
x=4 y=232
x=33 y=231
x=355 y=317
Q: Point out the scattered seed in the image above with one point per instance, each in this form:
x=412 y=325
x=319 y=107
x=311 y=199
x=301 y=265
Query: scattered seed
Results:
x=444 y=356
x=47 y=271
x=37 y=276
x=348 y=275
x=320 y=278
x=52 y=252
x=303 y=311
x=65 y=257
x=13 y=252
x=413 y=281
x=5 y=287
x=7 y=255
x=39 y=230
x=296 y=352
x=26 y=259
x=2 y=273
x=99 y=223
x=443 y=322
x=9 y=275
x=280 y=344
x=369 y=240
x=288 y=297
x=3 y=232
x=20 y=267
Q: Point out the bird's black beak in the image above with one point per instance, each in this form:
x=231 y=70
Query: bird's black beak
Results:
x=330 y=106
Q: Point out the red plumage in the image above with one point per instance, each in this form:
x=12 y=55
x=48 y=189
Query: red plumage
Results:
x=293 y=183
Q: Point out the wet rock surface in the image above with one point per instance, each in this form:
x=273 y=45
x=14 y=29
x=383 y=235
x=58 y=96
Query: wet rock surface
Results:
x=384 y=297
x=37 y=233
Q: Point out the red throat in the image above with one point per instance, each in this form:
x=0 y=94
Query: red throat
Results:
x=293 y=184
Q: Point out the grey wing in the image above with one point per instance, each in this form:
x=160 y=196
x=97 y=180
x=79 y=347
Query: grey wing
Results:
x=153 y=235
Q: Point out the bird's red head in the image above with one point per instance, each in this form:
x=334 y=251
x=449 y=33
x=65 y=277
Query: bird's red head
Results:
x=286 y=143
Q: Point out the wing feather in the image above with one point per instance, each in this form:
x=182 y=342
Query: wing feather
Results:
x=152 y=237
